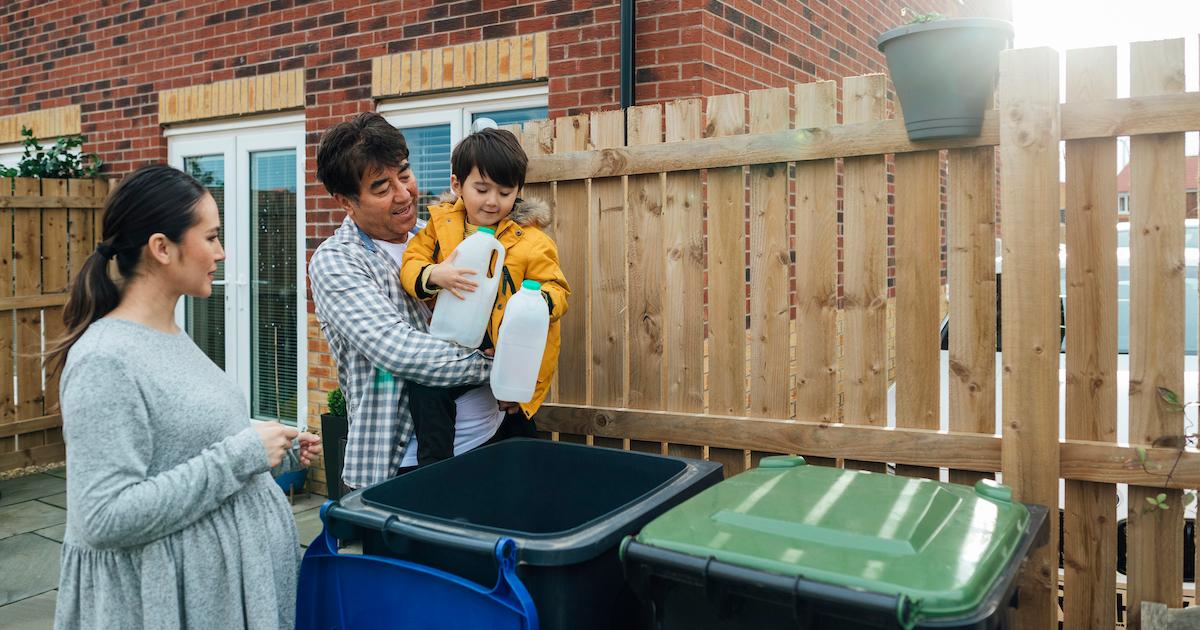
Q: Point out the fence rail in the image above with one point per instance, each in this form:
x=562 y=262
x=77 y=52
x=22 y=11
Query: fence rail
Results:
x=736 y=263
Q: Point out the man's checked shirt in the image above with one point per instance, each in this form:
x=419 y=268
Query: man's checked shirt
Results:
x=375 y=330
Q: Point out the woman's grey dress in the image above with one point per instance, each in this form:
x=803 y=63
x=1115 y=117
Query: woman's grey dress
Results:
x=172 y=518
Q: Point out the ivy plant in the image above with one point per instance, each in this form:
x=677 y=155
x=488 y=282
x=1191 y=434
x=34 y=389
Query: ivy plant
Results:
x=60 y=160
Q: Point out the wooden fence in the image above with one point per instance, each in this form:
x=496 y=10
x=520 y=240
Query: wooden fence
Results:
x=665 y=233
x=47 y=228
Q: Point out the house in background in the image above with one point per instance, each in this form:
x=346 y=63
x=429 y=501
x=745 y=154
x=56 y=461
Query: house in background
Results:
x=1124 y=181
x=238 y=93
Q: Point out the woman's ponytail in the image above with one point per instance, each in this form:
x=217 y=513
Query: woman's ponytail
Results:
x=155 y=199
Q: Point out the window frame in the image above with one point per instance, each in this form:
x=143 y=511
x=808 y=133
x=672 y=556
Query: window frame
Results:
x=237 y=140
x=458 y=109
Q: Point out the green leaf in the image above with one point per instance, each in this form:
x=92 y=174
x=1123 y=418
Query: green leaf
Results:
x=1188 y=498
x=1168 y=395
x=1151 y=501
x=1162 y=497
x=1141 y=453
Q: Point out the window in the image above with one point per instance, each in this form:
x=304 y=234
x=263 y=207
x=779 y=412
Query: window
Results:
x=432 y=127
x=10 y=154
x=1122 y=203
x=253 y=324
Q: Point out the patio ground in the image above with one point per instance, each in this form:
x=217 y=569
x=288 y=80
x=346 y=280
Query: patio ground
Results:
x=33 y=516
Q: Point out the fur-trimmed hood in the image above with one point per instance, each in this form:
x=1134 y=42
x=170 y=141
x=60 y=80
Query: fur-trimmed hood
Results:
x=528 y=211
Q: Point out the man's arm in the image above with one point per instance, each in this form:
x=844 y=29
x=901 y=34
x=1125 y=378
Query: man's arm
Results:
x=352 y=304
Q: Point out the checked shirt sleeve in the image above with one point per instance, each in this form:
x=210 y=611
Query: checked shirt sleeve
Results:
x=354 y=306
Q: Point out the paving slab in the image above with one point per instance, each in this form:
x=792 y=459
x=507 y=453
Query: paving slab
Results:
x=55 y=533
x=308 y=524
x=57 y=500
x=31 y=613
x=28 y=567
x=29 y=516
x=29 y=488
x=60 y=472
x=306 y=502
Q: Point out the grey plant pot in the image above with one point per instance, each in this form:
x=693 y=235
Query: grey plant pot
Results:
x=944 y=72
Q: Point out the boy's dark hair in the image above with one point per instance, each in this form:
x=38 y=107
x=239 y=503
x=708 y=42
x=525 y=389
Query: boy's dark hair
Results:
x=352 y=147
x=497 y=155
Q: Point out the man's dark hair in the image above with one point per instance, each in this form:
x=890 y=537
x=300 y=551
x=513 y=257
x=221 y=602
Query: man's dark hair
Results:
x=497 y=155
x=351 y=148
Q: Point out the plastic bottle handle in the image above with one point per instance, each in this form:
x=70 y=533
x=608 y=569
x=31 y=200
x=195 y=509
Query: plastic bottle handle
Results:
x=498 y=251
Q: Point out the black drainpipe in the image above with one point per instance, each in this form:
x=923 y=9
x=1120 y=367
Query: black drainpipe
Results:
x=628 y=17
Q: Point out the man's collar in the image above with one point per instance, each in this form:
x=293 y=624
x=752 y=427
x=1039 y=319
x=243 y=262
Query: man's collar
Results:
x=369 y=242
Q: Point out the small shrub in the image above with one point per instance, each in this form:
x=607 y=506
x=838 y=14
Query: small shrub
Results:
x=336 y=402
x=60 y=160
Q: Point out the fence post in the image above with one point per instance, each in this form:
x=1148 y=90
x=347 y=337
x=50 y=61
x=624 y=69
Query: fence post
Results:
x=1029 y=134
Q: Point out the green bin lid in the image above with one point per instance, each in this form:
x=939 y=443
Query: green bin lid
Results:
x=941 y=545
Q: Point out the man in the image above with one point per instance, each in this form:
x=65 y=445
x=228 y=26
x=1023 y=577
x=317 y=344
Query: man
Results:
x=377 y=333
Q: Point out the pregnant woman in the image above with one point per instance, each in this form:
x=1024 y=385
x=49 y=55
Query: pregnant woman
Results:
x=173 y=520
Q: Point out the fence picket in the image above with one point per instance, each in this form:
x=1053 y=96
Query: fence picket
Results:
x=1089 y=534
x=571 y=234
x=27 y=269
x=726 y=116
x=79 y=226
x=607 y=266
x=645 y=268
x=770 y=268
x=865 y=284
x=8 y=410
x=1156 y=325
x=971 y=262
x=918 y=285
x=683 y=275
x=817 y=344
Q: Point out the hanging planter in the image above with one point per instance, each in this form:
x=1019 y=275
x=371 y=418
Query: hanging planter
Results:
x=944 y=72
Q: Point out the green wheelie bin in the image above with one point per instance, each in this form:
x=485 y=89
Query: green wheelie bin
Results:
x=793 y=545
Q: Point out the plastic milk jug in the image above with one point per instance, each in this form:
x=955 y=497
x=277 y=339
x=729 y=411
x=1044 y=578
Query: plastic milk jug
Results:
x=521 y=345
x=464 y=321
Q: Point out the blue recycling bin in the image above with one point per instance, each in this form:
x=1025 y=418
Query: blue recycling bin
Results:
x=345 y=591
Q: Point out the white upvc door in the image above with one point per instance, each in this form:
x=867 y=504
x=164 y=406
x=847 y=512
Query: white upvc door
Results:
x=254 y=324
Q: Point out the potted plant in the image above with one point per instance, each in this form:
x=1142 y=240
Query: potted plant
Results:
x=334 y=427
x=944 y=71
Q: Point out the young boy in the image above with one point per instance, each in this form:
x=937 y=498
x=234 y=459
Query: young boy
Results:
x=488 y=171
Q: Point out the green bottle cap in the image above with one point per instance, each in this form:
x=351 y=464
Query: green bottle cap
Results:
x=532 y=285
x=489 y=230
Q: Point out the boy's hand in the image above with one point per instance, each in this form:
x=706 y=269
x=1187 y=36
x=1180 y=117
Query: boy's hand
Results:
x=451 y=278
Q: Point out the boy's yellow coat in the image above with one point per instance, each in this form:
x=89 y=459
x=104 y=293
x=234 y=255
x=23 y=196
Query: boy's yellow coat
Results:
x=528 y=254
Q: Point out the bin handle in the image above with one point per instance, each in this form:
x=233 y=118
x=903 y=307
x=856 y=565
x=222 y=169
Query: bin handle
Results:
x=797 y=588
x=393 y=527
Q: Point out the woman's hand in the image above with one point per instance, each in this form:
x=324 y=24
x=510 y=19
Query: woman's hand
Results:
x=276 y=439
x=310 y=447
x=453 y=279
x=509 y=407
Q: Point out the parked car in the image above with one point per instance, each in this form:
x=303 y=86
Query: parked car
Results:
x=1191 y=367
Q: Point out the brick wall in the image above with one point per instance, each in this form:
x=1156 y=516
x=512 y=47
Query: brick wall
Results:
x=116 y=61
x=712 y=47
